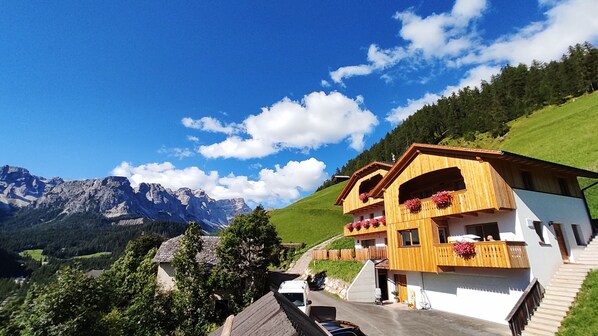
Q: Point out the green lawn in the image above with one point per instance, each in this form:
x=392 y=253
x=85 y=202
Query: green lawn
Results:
x=94 y=255
x=36 y=254
x=312 y=219
x=342 y=243
x=345 y=270
x=582 y=318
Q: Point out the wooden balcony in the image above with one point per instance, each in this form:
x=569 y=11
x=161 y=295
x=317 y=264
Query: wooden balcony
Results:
x=366 y=253
x=363 y=231
x=498 y=254
x=463 y=203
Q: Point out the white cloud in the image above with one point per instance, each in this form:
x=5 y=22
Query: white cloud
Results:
x=325 y=83
x=273 y=187
x=566 y=24
x=318 y=119
x=436 y=36
x=473 y=78
x=209 y=124
x=400 y=113
x=180 y=153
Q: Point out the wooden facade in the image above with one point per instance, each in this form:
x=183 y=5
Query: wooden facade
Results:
x=480 y=181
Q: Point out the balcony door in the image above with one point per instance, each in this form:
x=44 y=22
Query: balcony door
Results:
x=558 y=233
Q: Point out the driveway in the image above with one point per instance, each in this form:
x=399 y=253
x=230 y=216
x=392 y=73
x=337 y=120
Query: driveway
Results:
x=396 y=319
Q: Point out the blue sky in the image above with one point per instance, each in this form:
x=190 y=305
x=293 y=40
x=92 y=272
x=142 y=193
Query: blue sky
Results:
x=262 y=100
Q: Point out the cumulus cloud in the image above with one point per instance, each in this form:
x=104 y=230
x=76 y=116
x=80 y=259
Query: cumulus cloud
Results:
x=318 y=119
x=435 y=36
x=273 y=187
x=209 y=124
x=566 y=23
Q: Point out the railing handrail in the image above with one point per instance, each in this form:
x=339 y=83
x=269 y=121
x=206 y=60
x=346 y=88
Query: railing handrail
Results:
x=533 y=288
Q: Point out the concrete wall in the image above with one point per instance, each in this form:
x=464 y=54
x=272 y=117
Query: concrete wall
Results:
x=165 y=277
x=534 y=206
x=363 y=287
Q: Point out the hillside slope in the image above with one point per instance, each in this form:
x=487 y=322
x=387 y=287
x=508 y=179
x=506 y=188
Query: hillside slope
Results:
x=311 y=219
x=564 y=134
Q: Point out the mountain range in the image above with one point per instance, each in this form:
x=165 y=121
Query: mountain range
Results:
x=114 y=198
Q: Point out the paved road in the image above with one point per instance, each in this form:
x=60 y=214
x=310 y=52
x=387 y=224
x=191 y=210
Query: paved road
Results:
x=395 y=319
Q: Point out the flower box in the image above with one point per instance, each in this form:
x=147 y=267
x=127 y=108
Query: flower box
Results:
x=442 y=199
x=414 y=205
x=366 y=224
x=464 y=249
x=357 y=225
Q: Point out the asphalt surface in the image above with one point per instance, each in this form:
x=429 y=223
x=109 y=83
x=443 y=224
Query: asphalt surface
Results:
x=396 y=319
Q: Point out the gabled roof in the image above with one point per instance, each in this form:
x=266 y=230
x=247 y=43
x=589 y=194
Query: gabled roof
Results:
x=272 y=315
x=359 y=174
x=415 y=149
x=169 y=248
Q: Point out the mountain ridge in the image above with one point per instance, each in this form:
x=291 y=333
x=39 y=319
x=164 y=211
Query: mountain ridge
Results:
x=116 y=199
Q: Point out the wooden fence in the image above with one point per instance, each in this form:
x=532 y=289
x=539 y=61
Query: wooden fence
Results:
x=525 y=307
x=372 y=252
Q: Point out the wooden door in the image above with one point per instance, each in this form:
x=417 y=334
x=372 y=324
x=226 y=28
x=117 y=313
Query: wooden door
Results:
x=558 y=233
x=402 y=285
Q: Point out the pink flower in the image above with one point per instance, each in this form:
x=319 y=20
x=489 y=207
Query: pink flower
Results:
x=464 y=249
x=363 y=197
x=382 y=220
x=357 y=225
x=349 y=226
x=443 y=199
x=414 y=205
x=366 y=224
x=375 y=223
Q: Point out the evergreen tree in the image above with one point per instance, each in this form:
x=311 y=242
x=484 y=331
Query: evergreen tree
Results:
x=249 y=245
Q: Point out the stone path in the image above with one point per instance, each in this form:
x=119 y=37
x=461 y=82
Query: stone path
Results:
x=300 y=266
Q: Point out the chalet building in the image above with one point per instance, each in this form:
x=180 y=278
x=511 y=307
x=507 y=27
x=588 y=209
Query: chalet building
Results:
x=168 y=249
x=515 y=218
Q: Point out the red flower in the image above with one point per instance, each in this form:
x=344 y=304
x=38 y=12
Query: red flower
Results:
x=443 y=199
x=366 y=224
x=349 y=226
x=375 y=223
x=464 y=249
x=414 y=205
x=363 y=197
x=357 y=225
x=382 y=220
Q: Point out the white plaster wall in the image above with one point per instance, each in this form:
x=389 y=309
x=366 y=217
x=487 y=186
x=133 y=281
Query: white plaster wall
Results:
x=379 y=237
x=488 y=295
x=363 y=287
x=534 y=206
x=165 y=277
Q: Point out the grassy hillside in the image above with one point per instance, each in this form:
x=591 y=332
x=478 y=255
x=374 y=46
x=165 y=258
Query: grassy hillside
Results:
x=564 y=134
x=311 y=219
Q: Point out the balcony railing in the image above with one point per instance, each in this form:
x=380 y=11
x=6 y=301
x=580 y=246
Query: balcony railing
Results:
x=362 y=231
x=498 y=254
x=430 y=209
x=366 y=253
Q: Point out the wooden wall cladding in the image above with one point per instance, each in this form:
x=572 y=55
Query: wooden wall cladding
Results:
x=352 y=203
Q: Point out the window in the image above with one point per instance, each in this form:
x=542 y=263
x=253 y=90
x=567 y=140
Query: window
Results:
x=371 y=216
x=578 y=235
x=442 y=235
x=528 y=182
x=539 y=231
x=368 y=242
x=484 y=230
x=409 y=238
x=564 y=187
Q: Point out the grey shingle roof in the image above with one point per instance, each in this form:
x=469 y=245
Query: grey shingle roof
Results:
x=272 y=315
x=170 y=247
